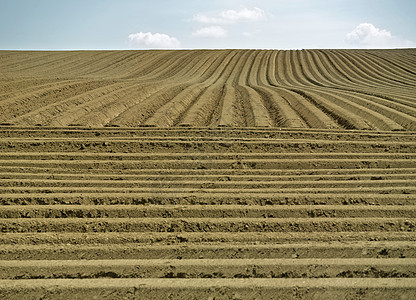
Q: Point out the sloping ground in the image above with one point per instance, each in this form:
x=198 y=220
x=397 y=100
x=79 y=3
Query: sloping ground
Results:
x=199 y=213
x=211 y=174
x=340 y=89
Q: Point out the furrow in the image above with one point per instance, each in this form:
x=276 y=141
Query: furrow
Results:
x=202 y=174
x=209 y=268
x=206 y=288
x=206 y=211
x=221 y=250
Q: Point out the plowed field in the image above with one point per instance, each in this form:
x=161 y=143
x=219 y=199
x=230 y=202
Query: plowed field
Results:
x=209 y=174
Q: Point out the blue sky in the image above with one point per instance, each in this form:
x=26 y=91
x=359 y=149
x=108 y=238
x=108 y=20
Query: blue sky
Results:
x=139 y=24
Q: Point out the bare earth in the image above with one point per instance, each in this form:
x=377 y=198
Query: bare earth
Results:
x=209 y=174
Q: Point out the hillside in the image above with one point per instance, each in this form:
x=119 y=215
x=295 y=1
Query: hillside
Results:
x=210 y=174
x=340 y=89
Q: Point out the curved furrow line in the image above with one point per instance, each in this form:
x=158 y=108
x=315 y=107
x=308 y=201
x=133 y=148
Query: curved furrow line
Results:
x=206 y=71
x=268 y=100
x=297 y=69
x=68 y=111
x=261 y=116
x=75 y=65
x=118 y=67
x=391 y=65
x=278 y=106
x=226 y=111
x=404 y=62
x=90 y=68
x=45 y=114
x=155 y=65
x=34 y=60
x=116 y=112
x=79 y=61
x=197 y=68
x=330 y=65
x=284 y=69
x=228 y=114
x=359 y=70
x=276 y=74
x=315 y=70
x=141 y=66
x=353 y=115
x=297 y=111
x=204 y=67
x=374 y=70
x=308 y=110
x=75 y=114
x=205 y=110
x=387 y=72
x=14 y=84
x=151 y=104
x=306 y=70
x=243 y=112
x=146 y=63
x=337 y=114
x=322 y=68
x=169 y=114
x=243 y=95
x=264 y=106
x=394 y=95
x=222 y=114
x=172 y=112
x=35 y=91
x=256 y=73
x=375 y=105
x=178 y=71
x=105 y=111
x=397 y=103
x=7 y=56
x=185 y=67
x=179 y=68
x=272 y=66
x=398 y=96
x=143 y=106
x=25 y=88
x=24 y=58
x=110 y=110
x=343 y=66
x=17 y=106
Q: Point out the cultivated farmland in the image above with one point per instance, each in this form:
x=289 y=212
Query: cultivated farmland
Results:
x=208 y=174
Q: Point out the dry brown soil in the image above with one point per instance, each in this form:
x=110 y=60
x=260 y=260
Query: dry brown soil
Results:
x=228 y=174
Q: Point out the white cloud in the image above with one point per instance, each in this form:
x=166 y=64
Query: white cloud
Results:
x=232 y=16
x=211 y=32
x=209 y=20
x=366 y=35
x=153 y=40
x=255 y=14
